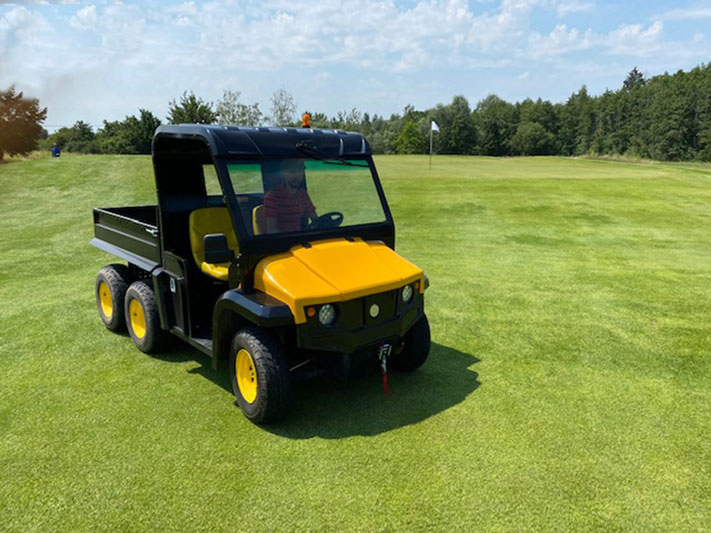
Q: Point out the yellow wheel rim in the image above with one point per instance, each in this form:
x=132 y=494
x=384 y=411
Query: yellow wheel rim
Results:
x=107 y=303
x=246 y=375
x=138 y=318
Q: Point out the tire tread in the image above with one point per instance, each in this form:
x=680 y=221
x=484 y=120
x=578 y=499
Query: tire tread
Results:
x=267 y=356
x=118 y=278
x=153 y=340
x=417 y=347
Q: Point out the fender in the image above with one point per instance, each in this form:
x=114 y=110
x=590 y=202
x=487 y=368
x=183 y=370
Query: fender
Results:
x=236 y=307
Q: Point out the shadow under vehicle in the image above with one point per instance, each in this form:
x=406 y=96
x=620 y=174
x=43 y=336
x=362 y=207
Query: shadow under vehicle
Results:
x=236 y=260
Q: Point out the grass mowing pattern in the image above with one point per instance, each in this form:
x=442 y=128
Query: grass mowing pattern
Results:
x=568 y=387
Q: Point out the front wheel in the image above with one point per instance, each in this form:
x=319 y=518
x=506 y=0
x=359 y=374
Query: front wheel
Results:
x=416 y=347
x=260 y=375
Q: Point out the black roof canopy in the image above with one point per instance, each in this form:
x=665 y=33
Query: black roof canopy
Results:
x=257 y=141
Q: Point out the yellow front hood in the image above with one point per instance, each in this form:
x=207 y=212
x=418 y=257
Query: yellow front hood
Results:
x=333 y=271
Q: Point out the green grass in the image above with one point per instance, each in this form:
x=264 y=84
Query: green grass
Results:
x=568 y=388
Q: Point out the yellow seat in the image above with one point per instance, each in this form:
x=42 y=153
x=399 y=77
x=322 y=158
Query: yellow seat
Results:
x=259 y=225
x=211 y=220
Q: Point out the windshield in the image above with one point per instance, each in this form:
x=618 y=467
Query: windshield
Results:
x=304 y=195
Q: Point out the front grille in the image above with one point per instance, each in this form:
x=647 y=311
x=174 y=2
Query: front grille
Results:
x=353 y=314
x=386 y=301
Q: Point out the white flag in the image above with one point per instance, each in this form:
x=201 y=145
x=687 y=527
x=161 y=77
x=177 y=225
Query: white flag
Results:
x=435 y=127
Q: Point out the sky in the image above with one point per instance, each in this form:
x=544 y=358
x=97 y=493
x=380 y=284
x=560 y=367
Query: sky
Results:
x=103 y=60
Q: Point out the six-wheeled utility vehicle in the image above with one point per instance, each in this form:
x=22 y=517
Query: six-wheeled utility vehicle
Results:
x=272 y=248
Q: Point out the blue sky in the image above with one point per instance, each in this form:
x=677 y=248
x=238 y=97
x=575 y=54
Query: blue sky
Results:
x=103 y=60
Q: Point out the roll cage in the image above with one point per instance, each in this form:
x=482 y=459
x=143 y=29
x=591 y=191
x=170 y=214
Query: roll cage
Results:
x=181 y=151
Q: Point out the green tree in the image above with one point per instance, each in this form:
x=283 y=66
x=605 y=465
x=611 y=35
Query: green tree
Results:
x=531 y=138
x=347 y=120
x=634 y=79
x=365 y=124
x=191 y=110
x=411 y=140
x=382 y=135
x=20 y=123
x=576 y=120
x=497 y=123
x=540 y=111
x=283 y=108
x=78 y=138
x=672 y=129
x=457 y=128
x=319 y=120
x=231 y=111
x=461 y=134
x=702 y=86
x=131 y=136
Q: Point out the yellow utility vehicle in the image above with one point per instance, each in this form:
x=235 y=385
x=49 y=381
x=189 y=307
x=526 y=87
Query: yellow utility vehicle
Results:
x=272 y=248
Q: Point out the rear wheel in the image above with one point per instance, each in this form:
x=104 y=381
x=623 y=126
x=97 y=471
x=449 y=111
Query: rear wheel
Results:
x=111 y=284
x=260 y=376
x=142 y=319
x=416 y=347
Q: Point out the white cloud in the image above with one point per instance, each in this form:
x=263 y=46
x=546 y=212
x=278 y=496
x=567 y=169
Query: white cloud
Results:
x=123 y=28
x=635 y=40
x=411 y=60
x=685 y=14
x=212 y=45
x=562 y=40
x=22 y=30
x=85 y=19
x=626 y=40
x=39 y=2
x=279 y=33
x=574 y=6
x=17 y=19
x=185 y=9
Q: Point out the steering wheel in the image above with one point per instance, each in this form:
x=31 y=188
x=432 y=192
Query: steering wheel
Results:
x=332 y=219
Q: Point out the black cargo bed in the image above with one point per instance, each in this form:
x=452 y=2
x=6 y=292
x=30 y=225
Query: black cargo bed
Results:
x=130 y=233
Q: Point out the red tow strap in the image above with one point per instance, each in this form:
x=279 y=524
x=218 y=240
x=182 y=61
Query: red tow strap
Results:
x=385 y=383
x=384 y=352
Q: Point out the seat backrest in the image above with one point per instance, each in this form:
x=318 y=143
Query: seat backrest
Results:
x=259 y=225
x=210 y=220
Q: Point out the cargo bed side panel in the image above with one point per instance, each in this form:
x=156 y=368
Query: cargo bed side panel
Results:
x=134 y=240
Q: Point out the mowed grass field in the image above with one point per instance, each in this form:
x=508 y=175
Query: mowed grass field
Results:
x=568 y=387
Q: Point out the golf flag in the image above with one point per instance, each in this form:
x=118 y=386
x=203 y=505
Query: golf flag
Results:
x=433 y=127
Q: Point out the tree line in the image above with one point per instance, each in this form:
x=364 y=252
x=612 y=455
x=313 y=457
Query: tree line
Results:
x=666 y=117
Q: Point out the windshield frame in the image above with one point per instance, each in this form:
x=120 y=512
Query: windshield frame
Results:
x=384 y=230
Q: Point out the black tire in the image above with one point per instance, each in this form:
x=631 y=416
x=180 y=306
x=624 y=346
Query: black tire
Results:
x=416 y=347
x=110 y=291
x=142 y=320
x=266 y=399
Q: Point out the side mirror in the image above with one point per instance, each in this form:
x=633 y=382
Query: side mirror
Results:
x=216 y=250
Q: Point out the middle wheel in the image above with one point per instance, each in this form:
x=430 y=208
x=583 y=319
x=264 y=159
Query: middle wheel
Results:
x=260 y=375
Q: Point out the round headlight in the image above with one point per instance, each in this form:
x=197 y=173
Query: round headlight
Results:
x=327 y=315
x=407 y=293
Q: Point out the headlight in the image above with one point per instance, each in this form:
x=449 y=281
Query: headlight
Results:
x=407 y=293
x=327 y=315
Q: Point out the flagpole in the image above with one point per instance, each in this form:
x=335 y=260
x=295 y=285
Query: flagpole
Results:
x=430 y=147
